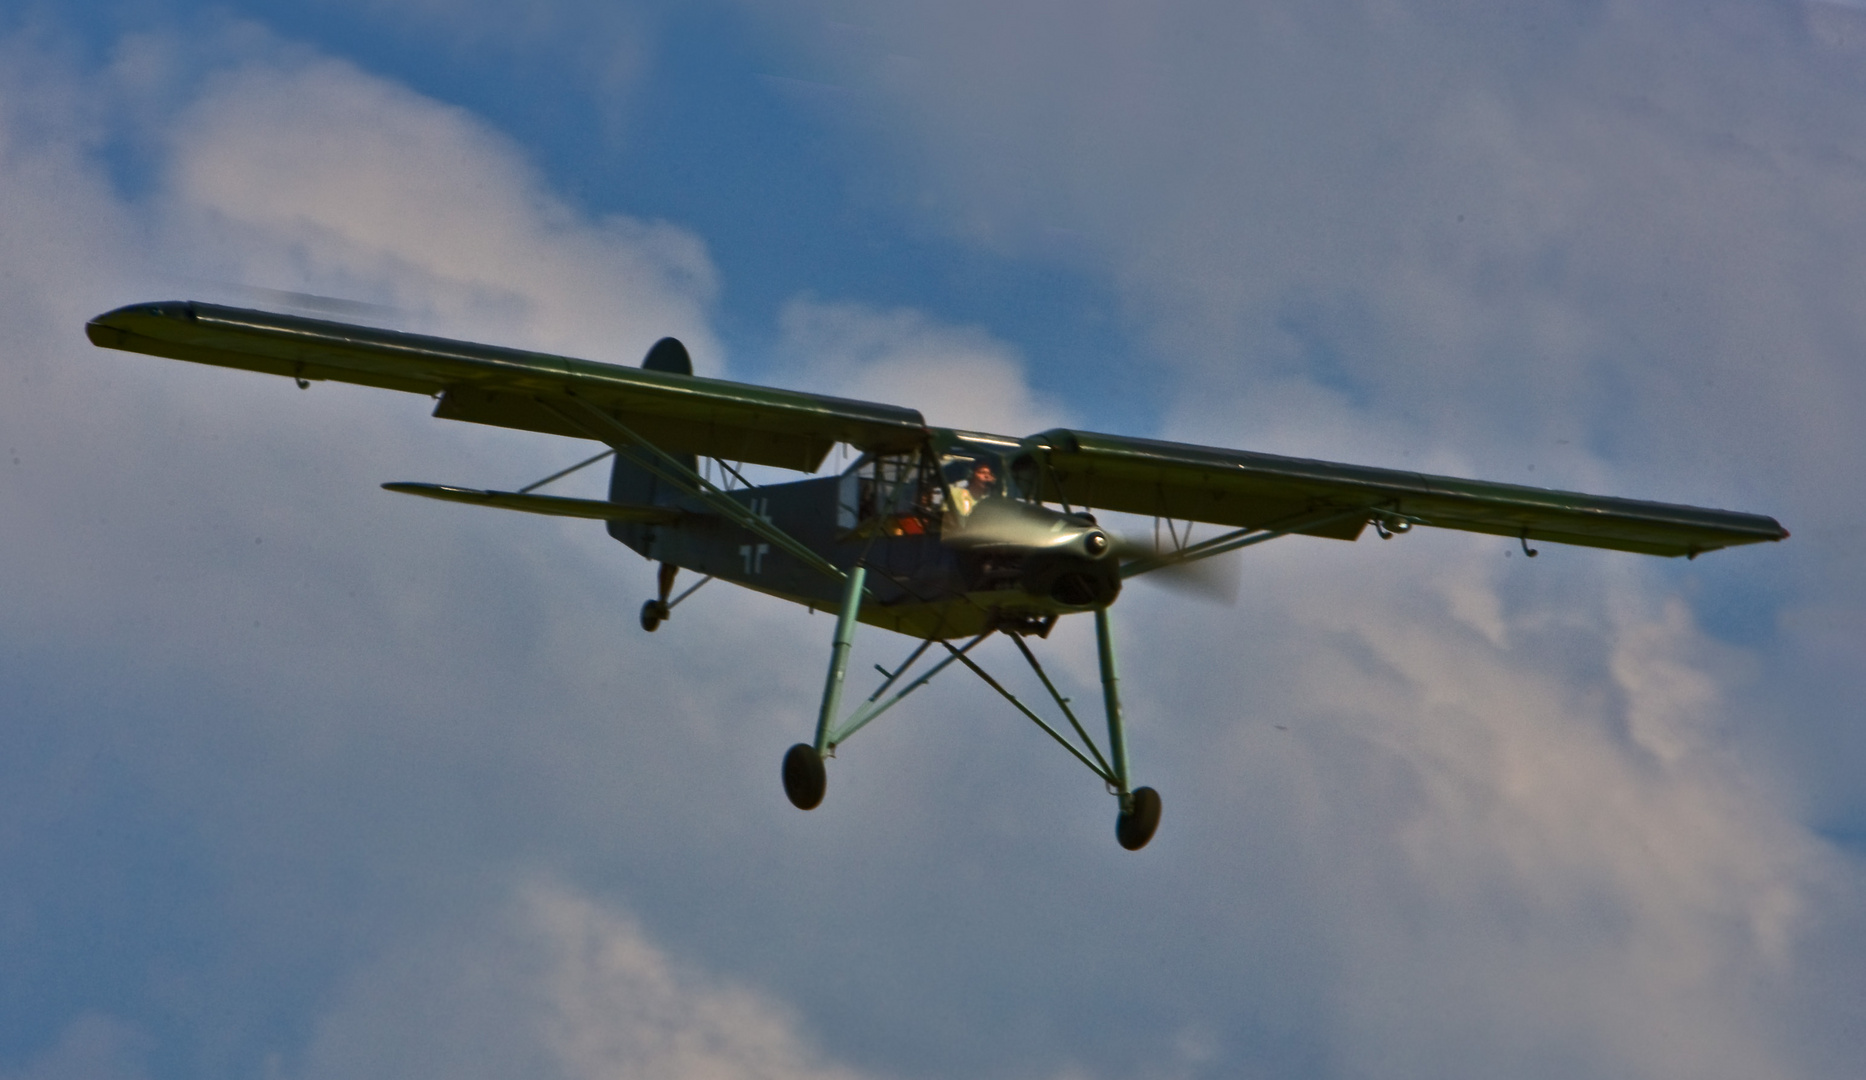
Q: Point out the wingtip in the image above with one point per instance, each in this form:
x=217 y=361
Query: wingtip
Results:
x=113 y=328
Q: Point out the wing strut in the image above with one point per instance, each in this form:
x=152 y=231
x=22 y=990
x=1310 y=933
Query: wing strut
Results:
x=1240 y=538
x=605 y=428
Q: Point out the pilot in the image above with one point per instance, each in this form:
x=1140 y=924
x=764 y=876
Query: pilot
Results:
x=976 y=488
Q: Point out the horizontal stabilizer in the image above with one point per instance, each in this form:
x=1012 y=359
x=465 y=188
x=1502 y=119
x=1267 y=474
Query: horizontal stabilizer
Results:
x=554 y=505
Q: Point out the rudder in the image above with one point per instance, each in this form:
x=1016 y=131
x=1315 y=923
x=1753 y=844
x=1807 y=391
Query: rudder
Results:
x=629 y=482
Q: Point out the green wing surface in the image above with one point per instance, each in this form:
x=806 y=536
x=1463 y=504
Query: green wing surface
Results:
x=1249 y=490
x=552 y=505
x=513 y=388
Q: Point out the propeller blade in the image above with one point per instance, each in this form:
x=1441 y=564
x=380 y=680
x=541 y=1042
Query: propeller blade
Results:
x=1214 y=579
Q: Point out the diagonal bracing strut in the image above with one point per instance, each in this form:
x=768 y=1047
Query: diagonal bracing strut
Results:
x=874 y=706
x=1241 y=538
x=1098 y=766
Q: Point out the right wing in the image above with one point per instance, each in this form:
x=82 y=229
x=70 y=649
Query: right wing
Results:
x=1250 y=490
x=513 y=388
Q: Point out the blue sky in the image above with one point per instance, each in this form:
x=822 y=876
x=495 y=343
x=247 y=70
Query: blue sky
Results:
x=694 y=114
x=299 y=781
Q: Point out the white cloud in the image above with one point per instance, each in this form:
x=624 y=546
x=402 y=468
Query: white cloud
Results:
x=1625 y=227
x=555 y=985
x=187 y=525
x=956 y=376
x=312 y=174
x=1529 y=849
x=285 y=171
x=1610 y=244
x=1509 y=830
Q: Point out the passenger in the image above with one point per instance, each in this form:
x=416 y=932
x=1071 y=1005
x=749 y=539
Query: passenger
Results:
x=976 y=488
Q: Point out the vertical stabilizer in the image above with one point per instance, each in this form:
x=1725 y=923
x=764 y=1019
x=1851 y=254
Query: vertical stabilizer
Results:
x=629 y=482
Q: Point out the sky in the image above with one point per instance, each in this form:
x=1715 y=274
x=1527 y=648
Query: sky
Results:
x=303 y=780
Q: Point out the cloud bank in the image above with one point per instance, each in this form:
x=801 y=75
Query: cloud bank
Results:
x=554 y=985
x=311 y=781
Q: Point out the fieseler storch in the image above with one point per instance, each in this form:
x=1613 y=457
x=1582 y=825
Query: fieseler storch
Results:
x=944 y=536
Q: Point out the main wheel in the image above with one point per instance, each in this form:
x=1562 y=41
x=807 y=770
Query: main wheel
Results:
x=652 y=612
x=805 y=779
x=1136 y=824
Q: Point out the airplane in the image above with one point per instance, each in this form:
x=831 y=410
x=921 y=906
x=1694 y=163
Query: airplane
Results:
x=942 y=535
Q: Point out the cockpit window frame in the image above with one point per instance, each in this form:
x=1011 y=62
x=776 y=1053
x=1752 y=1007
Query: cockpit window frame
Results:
x=1016 y=475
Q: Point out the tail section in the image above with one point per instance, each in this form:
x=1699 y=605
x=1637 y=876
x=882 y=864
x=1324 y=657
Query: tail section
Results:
x=632 y=484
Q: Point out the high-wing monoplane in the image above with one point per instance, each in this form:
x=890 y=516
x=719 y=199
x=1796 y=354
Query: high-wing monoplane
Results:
x=944 y=536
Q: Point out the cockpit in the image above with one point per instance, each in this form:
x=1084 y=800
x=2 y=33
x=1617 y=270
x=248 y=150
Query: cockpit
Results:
x=920 y=492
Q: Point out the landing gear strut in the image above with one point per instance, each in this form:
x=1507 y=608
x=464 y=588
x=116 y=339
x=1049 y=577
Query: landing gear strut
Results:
x=805 y=779
x=1140 y=808
x=655 y=612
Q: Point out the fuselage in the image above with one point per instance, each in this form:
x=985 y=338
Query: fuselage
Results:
x=952 y=543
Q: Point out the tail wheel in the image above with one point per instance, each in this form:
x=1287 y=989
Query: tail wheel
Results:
x=805 y=779
x=1138 y=820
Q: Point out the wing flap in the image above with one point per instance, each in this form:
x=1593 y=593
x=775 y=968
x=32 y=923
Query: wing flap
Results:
x=552 y=505
x=1244 y=489
x=493 y=385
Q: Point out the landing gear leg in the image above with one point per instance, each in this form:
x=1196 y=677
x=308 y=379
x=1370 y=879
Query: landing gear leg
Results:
x=1140 y=807
x=654 y=612
x=805 y=779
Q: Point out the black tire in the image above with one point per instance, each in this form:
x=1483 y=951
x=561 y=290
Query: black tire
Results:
x=1136 y=824
x=805 y=779
x=652 y=613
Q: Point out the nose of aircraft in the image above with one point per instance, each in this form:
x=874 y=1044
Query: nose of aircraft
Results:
x=1013 y=525
x=1062 y=558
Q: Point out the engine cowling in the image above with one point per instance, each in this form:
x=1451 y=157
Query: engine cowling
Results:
x=1063 y=560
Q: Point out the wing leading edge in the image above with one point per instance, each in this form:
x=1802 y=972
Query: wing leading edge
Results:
x=511 y=387
x=1250 y=490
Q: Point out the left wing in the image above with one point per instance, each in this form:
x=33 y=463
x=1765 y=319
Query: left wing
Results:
x=1256 y=491
x=513 y=388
